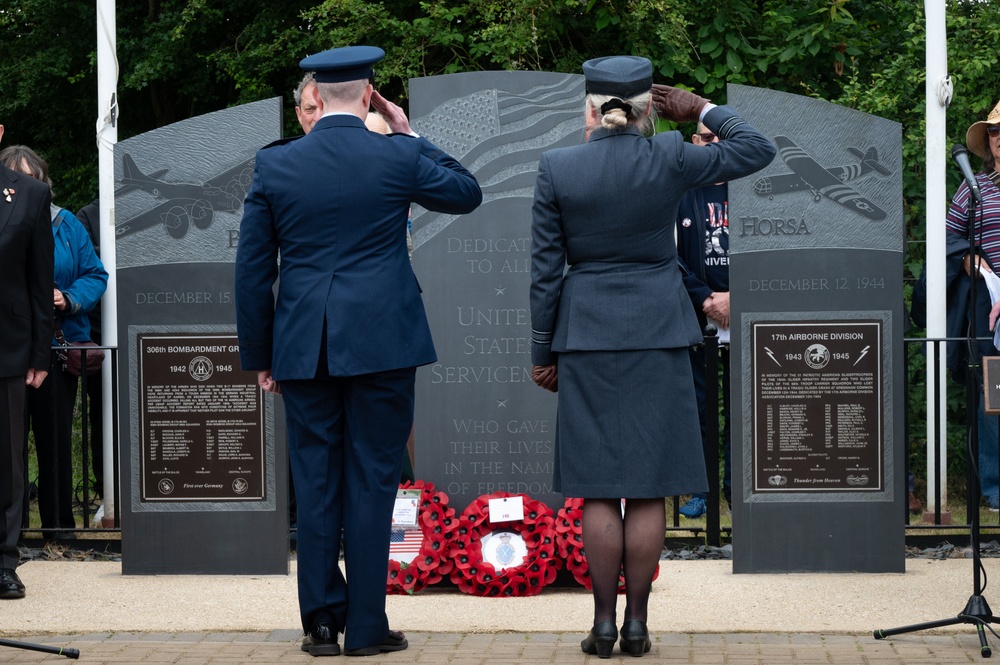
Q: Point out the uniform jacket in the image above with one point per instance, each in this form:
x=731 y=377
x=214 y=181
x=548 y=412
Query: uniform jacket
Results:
x=25 y=274
x=333 y=204
x=79 y=274
x=607 y=209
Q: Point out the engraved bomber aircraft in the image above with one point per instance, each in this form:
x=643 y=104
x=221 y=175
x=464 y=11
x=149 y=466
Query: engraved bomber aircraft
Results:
x=808 y=174
x=186 y=203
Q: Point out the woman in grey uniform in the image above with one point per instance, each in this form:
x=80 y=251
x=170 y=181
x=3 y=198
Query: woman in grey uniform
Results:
x=612 y=332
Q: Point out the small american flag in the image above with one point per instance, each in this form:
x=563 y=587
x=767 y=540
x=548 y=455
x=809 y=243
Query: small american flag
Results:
x=404 y=544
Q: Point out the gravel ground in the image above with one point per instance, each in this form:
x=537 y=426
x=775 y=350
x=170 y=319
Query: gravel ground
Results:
x=991 y=549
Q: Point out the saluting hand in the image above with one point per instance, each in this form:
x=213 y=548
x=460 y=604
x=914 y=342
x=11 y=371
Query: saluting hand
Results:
x=394 y=115
x=676 y=104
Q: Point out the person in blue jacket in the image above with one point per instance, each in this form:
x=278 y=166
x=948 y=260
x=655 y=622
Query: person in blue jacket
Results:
x=78 y=284
x=345 y=334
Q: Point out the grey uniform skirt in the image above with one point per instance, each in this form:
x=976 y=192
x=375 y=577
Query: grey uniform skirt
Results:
x=627 y=425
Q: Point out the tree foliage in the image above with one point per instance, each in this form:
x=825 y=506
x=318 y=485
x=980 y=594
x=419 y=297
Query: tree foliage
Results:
x=181 y=58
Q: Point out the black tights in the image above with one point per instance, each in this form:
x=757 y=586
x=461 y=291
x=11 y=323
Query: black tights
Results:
x=614 y=543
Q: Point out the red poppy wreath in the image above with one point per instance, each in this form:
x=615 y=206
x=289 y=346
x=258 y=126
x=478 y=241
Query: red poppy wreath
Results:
x=569 y=544
x=520 y=556
x=431 y=563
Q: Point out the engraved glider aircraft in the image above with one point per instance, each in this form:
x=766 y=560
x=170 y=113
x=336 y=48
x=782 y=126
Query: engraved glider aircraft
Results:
x=808 y=174
x=185 y=203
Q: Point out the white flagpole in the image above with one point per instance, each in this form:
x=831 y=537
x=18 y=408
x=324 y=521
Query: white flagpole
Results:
x=937 y=97
x=107 y=137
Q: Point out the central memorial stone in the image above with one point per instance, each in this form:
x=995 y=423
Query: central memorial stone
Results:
x=481 y=424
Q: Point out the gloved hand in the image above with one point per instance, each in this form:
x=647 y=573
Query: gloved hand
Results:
x=676 y=104
x=546 y=376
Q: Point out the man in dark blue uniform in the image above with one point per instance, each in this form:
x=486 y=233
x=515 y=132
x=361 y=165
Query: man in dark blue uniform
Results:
x=346 y=333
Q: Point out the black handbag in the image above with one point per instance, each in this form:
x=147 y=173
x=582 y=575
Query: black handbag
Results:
x=70 y=354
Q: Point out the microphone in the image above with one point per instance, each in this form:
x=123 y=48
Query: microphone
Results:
x=961 y=157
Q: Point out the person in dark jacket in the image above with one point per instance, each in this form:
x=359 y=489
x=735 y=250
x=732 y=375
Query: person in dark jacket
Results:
x=25 y=339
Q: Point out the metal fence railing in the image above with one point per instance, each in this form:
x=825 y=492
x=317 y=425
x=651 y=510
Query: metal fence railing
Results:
x=86 y=490
x=941 y=523
x=713 y=529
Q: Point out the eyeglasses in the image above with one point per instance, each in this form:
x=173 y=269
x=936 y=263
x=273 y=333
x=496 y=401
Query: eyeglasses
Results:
x=993 y=130
x=709 y=137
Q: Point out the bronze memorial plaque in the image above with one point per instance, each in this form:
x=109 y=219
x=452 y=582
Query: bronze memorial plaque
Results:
x=201 y=420
x=817 y=407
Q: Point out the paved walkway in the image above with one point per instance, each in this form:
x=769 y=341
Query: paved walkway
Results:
x=500 y=649
x=700 y=613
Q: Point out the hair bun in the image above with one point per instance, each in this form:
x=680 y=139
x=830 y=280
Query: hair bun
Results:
x=616 y=103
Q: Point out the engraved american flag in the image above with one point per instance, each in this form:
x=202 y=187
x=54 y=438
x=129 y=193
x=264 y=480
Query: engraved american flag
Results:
x=404 y=544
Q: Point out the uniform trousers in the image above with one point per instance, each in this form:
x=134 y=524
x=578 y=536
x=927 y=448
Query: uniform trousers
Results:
x=346 y=440
x=12 y=455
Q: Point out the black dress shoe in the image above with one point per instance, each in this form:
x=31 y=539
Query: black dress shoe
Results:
x=10 y=584
x=321 y=640
x=635 y=638
x=601 y=639
x=394 y=641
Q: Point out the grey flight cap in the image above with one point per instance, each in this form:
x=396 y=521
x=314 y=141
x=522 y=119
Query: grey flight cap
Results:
x=348 y=63
x=621 y=76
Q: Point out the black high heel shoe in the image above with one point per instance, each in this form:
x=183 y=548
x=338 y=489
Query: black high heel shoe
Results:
x=635 y=638
x=601 y=639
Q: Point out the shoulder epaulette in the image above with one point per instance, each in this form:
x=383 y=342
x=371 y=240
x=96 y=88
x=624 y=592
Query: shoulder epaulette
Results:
x=283 y=141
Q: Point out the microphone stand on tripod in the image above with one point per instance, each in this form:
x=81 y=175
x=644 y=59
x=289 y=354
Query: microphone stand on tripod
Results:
x=977 y=611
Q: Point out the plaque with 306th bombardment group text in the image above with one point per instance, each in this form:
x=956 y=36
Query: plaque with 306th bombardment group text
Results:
x=201 y=420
